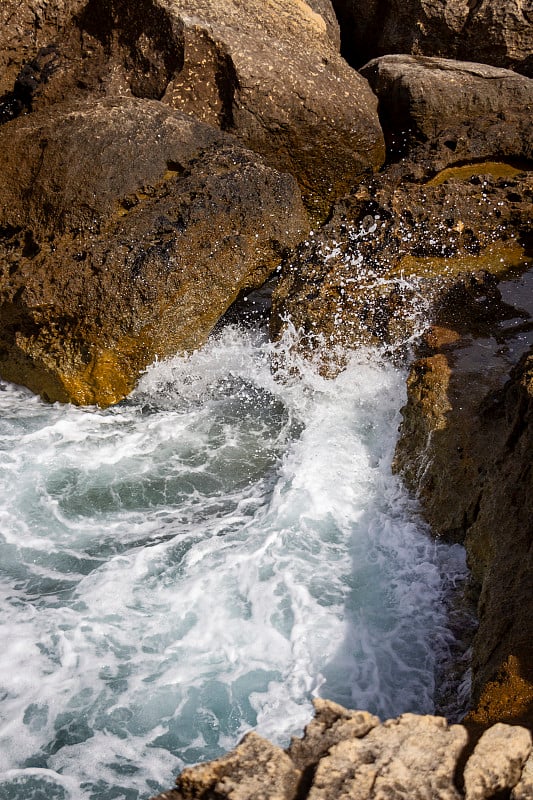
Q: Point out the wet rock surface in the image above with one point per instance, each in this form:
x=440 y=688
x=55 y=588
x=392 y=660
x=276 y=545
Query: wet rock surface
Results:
x=465 y=447
x=126 y=230
x=494 y=32
x=349 y=755
x=385 y=263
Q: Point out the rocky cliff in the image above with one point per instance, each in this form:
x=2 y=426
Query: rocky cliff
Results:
x=350 y=755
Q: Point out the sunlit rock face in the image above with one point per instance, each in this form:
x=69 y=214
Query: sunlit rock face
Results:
x=349 y=755
x=458 y=110
x=270 y=73
x=494 y=32
x=127 y=230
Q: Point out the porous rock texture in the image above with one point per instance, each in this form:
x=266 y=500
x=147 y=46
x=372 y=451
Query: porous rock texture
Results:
x=126 y=230
x=456 y=202
x=465 y=447
x=349 y=755
x=25 y=28
x=466 y=111
x=393 y=250
x=497 y=32
x=269 y=72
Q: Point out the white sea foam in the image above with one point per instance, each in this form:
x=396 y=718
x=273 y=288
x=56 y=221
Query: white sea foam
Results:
x=201 y=560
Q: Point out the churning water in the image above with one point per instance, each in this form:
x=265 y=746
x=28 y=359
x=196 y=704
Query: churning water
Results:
x=201 y=560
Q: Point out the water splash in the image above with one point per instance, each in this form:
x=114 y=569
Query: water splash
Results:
x=203 y=559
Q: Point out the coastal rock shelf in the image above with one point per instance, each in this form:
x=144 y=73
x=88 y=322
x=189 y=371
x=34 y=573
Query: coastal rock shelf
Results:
x=350 y=755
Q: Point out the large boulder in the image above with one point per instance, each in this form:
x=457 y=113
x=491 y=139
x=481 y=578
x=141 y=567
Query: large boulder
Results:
x=271 y=74
x=497 y=32
x=466 y=111
x=126 y=230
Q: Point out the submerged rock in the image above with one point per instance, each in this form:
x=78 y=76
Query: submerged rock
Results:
x=357 y=758
x=497 y=32
x=126 y=230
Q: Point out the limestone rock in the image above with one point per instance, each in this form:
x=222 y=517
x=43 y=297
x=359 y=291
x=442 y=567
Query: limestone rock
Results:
x=410 y=757
x=282 y=88
x=331 y=724
x=497 y=761
x=127 y=229
x=349 y=755
x=255 y=769
x=523 y=790
x=25 y=28
x=467 y=111
x=465 y=447
x=388 y=258
x=497 y=32
x=270 y=73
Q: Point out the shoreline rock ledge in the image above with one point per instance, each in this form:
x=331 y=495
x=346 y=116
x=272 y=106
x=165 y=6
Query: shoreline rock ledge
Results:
x=350 y=755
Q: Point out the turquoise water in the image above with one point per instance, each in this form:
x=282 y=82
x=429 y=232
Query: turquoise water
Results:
x=203 y=559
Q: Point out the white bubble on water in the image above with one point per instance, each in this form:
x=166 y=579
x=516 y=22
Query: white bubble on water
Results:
x=204 y=559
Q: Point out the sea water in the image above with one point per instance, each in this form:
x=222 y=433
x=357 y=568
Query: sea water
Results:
x=203 y=559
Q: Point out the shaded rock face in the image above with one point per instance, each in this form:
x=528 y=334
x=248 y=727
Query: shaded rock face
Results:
x=497 y=32
x=349 y=755
x=465 y=447
x=25 y=28
x=126 y=230
x=466 y=111
x=272 y=76
x=389 y=257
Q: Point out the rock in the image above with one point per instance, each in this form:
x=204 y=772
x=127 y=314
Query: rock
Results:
x=410 y=757
x=466 y=111
x=378 y=271
x=465 y=447
x=255 y=769
x=494 y=32
x=349 y=755
x=331 y=724
x=25 y=28
x=127 y=229
x=282 y=88
x=497 y=761
x=272 y=76
x=523 y=790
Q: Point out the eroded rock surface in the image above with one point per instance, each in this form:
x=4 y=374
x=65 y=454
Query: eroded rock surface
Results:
x=497 y=32
x=126 y=230
x=349 y=755
x=466 y=111
x=465 y=447
x=497 y=761
x=393 y=250
x=270 y=73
